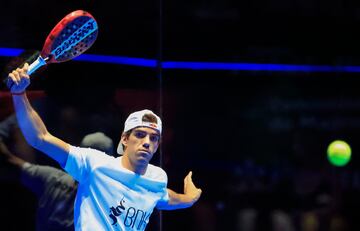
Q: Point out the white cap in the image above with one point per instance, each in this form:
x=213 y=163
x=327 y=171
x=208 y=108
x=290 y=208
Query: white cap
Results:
x=135 y=120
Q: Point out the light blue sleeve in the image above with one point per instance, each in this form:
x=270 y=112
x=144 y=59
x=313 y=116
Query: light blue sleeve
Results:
x=164 y=199
x=78 y=163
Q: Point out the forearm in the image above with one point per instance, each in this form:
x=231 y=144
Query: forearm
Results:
x=35 y=132
x=29 y=121
x=178 y=201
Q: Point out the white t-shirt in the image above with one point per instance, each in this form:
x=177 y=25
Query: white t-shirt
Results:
x=111 y=197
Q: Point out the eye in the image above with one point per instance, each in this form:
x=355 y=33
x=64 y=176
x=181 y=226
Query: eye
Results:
x=140 y=134
x=154 y=138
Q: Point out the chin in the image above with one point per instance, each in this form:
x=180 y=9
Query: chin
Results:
x=144 y=157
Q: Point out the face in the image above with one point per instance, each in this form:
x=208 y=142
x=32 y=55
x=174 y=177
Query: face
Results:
x=141 y=144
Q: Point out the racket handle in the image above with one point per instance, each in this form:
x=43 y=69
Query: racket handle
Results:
x=39 y=62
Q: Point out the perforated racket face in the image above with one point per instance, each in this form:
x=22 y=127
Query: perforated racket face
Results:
x=72 y=36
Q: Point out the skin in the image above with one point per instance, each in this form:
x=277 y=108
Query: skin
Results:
x=139 y=151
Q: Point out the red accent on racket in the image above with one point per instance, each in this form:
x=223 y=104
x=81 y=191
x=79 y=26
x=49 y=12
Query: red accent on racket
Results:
x=72 y=36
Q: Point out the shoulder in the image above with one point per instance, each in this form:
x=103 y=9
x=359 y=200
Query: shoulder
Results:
x=86 y=158
x=156 y=173
x=88 y=153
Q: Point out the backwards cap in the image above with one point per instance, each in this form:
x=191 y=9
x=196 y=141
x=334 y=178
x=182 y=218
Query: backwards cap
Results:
x=135 y=119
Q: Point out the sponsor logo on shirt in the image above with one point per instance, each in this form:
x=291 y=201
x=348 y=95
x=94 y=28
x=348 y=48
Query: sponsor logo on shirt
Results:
x=132 y=217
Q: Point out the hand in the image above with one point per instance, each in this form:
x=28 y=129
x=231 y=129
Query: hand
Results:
x=19 y=80
x=190 y=190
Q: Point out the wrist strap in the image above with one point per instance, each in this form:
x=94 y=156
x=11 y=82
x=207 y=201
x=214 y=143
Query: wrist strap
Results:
x=19 y=93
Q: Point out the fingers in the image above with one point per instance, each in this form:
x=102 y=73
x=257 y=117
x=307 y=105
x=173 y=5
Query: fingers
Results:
x=16 y=76
x=189 y=177
x=23 y=71
x=187 y=180
x=199 y=191
x=20 y=79
x=190 y=190
x=197 y=195
x=19 y=73
x=188 y=183
x=26 y=67
x=12 y=77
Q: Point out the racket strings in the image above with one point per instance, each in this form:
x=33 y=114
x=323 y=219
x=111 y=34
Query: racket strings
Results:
x=83 y=40
x=81 y=46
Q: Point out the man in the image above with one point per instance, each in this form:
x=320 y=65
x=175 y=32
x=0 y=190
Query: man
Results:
x=113 y=193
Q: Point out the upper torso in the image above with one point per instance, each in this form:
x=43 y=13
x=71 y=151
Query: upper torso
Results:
x=111 y=197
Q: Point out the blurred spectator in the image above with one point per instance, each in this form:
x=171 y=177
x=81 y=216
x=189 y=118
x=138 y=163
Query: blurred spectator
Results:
x=54 y=189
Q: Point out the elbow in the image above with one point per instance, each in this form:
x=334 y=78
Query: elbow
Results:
x=36 y=142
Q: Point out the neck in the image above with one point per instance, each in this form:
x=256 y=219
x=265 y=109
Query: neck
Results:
x=136 y=168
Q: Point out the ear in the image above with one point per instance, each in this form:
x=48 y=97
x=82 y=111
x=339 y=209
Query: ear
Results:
x=124 y=139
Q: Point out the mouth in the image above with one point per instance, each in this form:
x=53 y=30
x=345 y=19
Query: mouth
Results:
x=144 y=155
x=144 y=152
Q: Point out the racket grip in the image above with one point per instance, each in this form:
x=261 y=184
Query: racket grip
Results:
x=39 y=62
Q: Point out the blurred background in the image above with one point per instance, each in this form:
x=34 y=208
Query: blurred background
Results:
x=254 y=137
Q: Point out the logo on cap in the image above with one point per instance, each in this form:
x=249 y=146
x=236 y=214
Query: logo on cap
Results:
x=153 y=125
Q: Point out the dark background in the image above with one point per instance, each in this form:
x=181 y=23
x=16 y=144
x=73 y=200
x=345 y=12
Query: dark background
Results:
x=255 y=140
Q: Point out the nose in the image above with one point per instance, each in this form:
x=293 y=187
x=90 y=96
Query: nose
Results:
x=146 y=143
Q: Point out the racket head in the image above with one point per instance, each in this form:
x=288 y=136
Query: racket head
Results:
x=71 y=37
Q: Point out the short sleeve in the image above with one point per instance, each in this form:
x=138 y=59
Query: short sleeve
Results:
x=80 y=162
x=77 y=164
x=164 y=200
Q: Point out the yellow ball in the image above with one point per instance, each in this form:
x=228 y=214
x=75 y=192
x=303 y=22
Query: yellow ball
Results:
x=339 y=153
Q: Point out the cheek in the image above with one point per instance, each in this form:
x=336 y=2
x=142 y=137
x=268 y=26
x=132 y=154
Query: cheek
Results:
x=132 y=143
x=135 y=142
x=155 y=146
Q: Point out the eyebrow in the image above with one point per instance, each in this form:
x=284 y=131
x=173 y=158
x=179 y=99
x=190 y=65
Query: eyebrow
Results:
x=151 y=133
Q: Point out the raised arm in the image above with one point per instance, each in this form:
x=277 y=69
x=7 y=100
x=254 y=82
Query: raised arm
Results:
x=30 y=122
x=183 y=200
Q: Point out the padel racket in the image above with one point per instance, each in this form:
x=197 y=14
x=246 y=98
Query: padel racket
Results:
x=72 y=36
